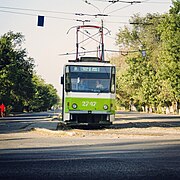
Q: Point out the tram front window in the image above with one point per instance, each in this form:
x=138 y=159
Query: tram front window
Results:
x=90 y=85
x=89 y=79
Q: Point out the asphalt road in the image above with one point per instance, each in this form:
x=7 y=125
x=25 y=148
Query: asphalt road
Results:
x=19 y=122
x=26 y=156
x=100 y=161
x=135 y=119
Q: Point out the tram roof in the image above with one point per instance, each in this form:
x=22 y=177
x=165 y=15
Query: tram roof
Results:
x=77 y=63
x=89 y=61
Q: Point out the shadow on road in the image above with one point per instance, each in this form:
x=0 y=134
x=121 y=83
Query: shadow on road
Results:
x=165 y=124
x=100 y=161
x=134 y=120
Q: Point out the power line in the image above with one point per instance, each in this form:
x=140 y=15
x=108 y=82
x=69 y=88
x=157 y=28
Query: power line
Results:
x=36 y=10
x=76 y=14
x=119 y=9
x=113 y=2
x=106 y=50
x=79 y=14
x=56 y=17
x=47 y=16
x=28 y=14
x=69 y=19
x=47 y=11
x=154 y=2
x=116 y=22
x=127 y=2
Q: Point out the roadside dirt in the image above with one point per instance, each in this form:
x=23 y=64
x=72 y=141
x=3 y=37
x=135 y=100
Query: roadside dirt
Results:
x=123 y=128
x=162 y=131
x=143 y=128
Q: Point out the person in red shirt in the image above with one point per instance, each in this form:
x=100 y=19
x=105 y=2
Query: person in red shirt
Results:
x=2 y=109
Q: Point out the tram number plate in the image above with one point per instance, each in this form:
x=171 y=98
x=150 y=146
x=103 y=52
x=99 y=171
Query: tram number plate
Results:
x=88 y=103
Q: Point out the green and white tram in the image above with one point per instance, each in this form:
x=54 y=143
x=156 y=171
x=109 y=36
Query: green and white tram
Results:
x=89 y=83
x=88 y=92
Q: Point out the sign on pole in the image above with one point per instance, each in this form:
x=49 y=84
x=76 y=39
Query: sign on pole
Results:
x=40 y=21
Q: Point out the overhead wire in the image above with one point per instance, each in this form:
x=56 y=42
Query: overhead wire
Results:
x=28 y=14
x=62 y=18
x=18 y=13
x=42 y=11
x=69 y=13
x=119 y=9
x=159 y=2
x=36 y=10
x=109 y=14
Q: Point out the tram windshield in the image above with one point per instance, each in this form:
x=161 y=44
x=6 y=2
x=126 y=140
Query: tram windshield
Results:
x=90 y=79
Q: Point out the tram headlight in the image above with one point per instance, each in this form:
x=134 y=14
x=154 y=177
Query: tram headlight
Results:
x=105 y=107
x=74 y=106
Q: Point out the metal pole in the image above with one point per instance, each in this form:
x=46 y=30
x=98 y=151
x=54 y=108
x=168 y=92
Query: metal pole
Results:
x=77 y=44
x=102 y=37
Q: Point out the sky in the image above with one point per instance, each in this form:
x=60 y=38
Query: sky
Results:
x=46 y=44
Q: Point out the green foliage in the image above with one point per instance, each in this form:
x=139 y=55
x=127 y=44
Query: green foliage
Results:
x=153 y=80
x=169 y=58
x=16 y=71
x=18 y=88
x=45 y=95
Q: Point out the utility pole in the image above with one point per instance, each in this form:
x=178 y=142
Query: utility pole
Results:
x=102 y=40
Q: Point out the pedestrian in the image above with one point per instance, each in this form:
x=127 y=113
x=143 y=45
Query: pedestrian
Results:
x=2 y=109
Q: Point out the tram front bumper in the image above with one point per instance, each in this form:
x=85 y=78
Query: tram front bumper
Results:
x=91 y=124
x=89 y=112
x=89 y=118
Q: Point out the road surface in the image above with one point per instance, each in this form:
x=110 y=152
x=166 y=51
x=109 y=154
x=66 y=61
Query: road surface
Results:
x=24 y=121
x=137 y=146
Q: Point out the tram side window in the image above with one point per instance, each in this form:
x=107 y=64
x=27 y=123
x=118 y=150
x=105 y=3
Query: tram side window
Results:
x=67 y=80
x=73 y=84
x=113 y=80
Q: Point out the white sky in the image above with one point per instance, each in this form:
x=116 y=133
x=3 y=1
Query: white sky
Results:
x=44 y=44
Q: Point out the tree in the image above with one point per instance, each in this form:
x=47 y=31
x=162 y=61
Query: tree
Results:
x=140 y=76
x=152 y=80
x=21 y=88
x=16 y=71
x=45 y=95
x=169 y=69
